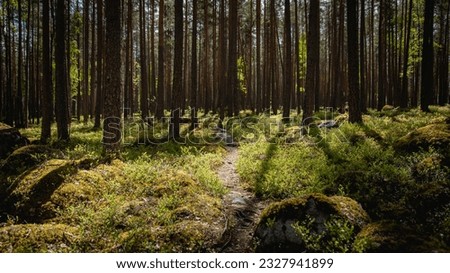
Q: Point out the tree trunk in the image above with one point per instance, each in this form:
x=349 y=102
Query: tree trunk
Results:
x=287 y=60
x=427 y=86
x=353 y=65
x=382 y=57
x=47 y=85
x=193 y=103
x=161 y=59
x=112 y=126
x=258 y=58
x=62 y=106
x=404 y=90
x=143 y=62
x=100 y=89
x=177 y=84
x=313 y=59
x=362 y=62
x=232 y=58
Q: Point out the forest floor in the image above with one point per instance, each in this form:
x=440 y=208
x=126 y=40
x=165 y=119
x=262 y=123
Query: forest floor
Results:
x=203 y=195
x=242 y=207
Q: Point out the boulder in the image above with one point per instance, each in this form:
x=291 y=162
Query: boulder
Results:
x=432 y=135
x=280 y=223
x=38 y=238
x=391 y=237
x=27 y=157
x=387 y=108
x=24 y=196
x=329 y=124
x=10 y=139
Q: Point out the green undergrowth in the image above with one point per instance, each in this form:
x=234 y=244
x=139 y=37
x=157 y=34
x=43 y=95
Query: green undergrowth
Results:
x=396 y=165
x=163 y=198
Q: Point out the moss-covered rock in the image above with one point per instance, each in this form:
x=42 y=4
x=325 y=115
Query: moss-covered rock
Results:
x=435 y=135
x=387 y=108
x=26 y=194
x=28 y=157
x=278 y=229
x=37 y=238
x=389 y=237
x=82 y=187
x=10 y=139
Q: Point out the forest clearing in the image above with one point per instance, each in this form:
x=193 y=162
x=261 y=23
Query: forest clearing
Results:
x=231 y=126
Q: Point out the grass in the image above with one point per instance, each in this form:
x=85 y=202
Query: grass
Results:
x=166 y=197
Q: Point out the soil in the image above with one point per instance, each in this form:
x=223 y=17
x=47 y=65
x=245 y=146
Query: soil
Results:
x=242 y=208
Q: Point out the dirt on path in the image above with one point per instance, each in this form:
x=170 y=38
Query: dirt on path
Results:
x=242 y=208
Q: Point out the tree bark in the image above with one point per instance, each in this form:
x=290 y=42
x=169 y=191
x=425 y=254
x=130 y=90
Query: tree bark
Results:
x=313 y=59
x=353 y=65
x=112 y=125
x=287 y=60
x=177 y=84
x=62 y=105
x=427 y=85
x=47 y=85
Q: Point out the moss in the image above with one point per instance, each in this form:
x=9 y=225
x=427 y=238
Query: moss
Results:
x=28 y=157
x=10 y=139
x=82 y=187
x=433 y=135
x=37 y=238
x=311 y=214
x=30 y=192
x=389 y=236
x=340 y=205
x=387 y=108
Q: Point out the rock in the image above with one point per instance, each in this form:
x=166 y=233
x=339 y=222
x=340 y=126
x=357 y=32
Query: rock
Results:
x=10 y=139
x=433 y=135
x=391 y=237
x=25 y=195
x=276 y=233
x=37 y=238
x=28 y=157
x=387 y=108
x=239 y=201
x=329 y=124
x=341 y=118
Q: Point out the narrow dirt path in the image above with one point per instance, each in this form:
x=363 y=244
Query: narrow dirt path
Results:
x=242 y=208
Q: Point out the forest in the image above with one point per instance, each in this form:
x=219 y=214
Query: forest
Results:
x=224 y=126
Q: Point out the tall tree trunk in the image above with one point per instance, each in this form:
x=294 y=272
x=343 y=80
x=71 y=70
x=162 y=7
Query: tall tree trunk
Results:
x=427 y=86
x=223 y=96
x=47 y=85
x=62 y=105
x=100 y=42
x=161 y=59
x=287 y=60
x=232 y=58
x=152 y=59
x=362 y=60
x=258 y=58
x=206 y=89
x=353 y=65
x=177 y=84
x=92 y=98
x=443 y=58
x=313 y=59
x=128 y=97
x=112 y=126
x=143 y=62
x=194 y=92
x=404 y=91
x=86 y=60
x=19 y=97
x=382 y=56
